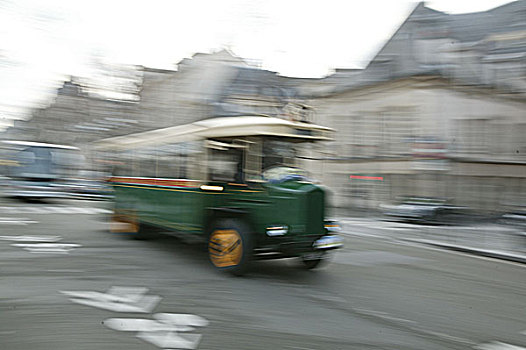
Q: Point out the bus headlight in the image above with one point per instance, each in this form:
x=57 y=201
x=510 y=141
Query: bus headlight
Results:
x=211 y=188
x=328 y=242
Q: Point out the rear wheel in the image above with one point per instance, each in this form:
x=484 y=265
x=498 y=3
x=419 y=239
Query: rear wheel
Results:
x=230 y=246
x=127 y=223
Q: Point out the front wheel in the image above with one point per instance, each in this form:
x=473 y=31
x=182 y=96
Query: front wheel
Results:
x=313 y=260
x=230 y=246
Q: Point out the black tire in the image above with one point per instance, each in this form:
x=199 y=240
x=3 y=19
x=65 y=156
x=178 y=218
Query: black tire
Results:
x=230 y=246
x=143 y=233
x=311 y=264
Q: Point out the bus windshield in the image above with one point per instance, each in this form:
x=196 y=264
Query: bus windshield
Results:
x=281 y=173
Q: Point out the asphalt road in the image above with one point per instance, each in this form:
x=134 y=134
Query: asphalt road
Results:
x=66 y=283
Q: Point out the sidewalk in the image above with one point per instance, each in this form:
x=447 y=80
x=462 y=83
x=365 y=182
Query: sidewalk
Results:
x=485 y=239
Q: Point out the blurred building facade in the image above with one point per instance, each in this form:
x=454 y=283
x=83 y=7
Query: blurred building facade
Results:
x=206 y=85
x=438 y=112
x=82 y=111
x=422 y=136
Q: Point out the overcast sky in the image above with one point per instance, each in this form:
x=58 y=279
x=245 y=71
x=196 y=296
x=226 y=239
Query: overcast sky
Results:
x=43 y=42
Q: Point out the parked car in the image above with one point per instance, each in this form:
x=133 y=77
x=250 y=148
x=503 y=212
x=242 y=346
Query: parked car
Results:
x=38 y=170
x=424 y=210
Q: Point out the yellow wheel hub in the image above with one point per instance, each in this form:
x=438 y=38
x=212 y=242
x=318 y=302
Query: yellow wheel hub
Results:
x=225 y=248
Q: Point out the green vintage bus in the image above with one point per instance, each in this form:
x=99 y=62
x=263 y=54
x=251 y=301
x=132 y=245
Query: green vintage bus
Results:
x=232 y=182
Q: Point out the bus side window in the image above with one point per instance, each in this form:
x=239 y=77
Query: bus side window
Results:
x=172 y=161
x=165 y=163
x=226 y=165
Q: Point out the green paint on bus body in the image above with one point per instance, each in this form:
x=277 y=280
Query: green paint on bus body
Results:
x=296 y=205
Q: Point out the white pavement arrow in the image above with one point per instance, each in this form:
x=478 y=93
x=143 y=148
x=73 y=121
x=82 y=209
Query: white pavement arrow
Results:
x=163 y=333
x=118 y=299
x=171 y=340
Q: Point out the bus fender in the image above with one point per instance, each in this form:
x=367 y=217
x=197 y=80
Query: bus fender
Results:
x=214 y=213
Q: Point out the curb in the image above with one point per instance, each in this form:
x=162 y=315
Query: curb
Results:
x=481 y=252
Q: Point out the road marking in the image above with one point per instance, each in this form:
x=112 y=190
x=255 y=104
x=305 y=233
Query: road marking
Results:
x=171 y=340
x=118 y=299
x=496 y=345
x=58 y=248
x=383 y=316
x=16 y=221
x=445 y=336
x=181 y=319
x=164 y=331
x=31 y=238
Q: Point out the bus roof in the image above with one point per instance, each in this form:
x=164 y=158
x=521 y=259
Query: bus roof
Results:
x=220 y=128
x=37 y=144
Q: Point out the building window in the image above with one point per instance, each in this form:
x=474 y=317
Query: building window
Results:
x=471 y=135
